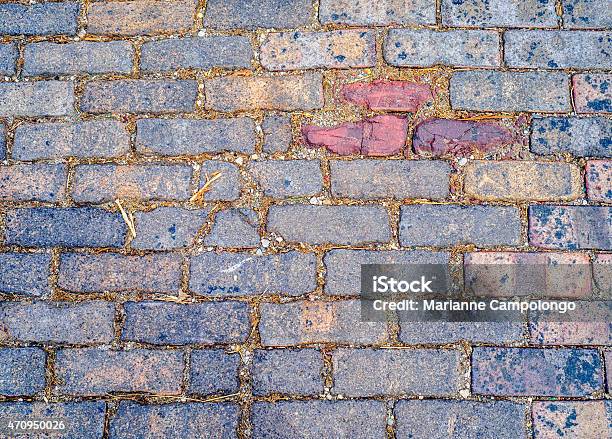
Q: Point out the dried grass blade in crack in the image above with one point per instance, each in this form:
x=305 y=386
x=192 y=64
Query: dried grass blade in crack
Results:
x=198 y=197
x=127 y=217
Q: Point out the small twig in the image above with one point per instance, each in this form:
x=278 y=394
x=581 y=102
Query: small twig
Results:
x=198 y=197
x=127 y=217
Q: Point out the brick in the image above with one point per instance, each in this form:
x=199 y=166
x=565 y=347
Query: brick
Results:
x=381 y=135
x=599 y=180
x=318 y=225
x=377 y=13
x=592 y=93
x=277 y=133
x=287 y=371
x=39 y=19
x=227 y=187
x=135 y=420
x=558 y=49
x=228 y=52
x=33 y=182
x=101 y=183
x=570 y=227
x=98 y=372
x=2 y=141
x=94 y=138
x=510 y=91
x=426 y=47
x=139 y=95
x=84 y=57
x=399 y=179
x=8 y=58
x=41 y=98
x=288 y=178
x=140 y=17
x=237 y=14
x=169 y=137
x=361 y=419
x=339 y=49
x=214 y=371
x=166 y=323
x=157 y=273
x=602 y=267
x=285 y=93
x=522 y=180
x=371 y=372
x=441 y=137
x=295 y=323
x=446 y=225
x=64 y=227
x=579 y=136
x=608 y=358
x=25 y=273
x=439 y=418
x=499 y=13
x=235 y=227
x=537 y=372
x=167 y=228
x=245 y=274
x=440 y=332
x=581 y=14
x=22 y=371
x=388 y=95
x=60 y=322
x=584 y=419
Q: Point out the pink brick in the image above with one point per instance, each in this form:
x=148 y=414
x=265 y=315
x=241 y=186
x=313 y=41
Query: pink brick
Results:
x=593 y=93
x=32 y=182
x=388 y=95
x=571 y=419
x=599 y=180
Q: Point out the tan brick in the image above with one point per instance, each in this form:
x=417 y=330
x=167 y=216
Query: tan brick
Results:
x=32 y=182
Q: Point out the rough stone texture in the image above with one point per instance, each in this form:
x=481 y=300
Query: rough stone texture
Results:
x=580 y=419
x=277 y=133
x=240 y=274
x=214 y=371
x=425 y=47
x=608 y=359
x=499 y=13
x=581 y=14
x=343 y=225
x=39 y=19
x=288 y=178
x=388 y=95
x=33 y=182
x=2 y=141
x=602 y=267
x=25 y=273
x=446 y=225
x=593 y=93
x=312 y=50
x=236 y=227
x=451 y=332
x=238 y=14
x=579 y=136
x=599 y=180
x=167 y=228
x=22 y=371
x=225 y=188
x=8 y=58
x=43 y=98
x=377 y=12
x=287 y=371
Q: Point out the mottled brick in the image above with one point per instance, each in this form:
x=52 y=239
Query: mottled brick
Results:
x=245 y=274
x=98 y=372
x=537 y=372
x=499 y=13
x=228 y=52
x=578 y=419
x=286 y=93
x=214 y=371
x=608 y=359
x=377 y=12
x=602 y=267
x=25 y=273
x=416 y=332
x=139 y=95
x=64 y=227
x=288 y=178
x=236 y=14
x=167 y=228
x=171 y=323
x=39 y=19
x=235 y=227
x=155 y=273
x=570 y=227
x=343 y=225
x=339 y=49
x=426 y=47
x=382 y=95
x=93 y=138
x=277 y=133
x=2 y=141
x=301 y=322
x=583 y=14
x=599 y=180
x=40 y=98
x=579 y=136
x=287 y=371
x=485 y=90
x=8 y=58
x=446 y=225
x=33 y=182
x=593 y=93
x=88 y=57
x=22 y=371
x=227 y=187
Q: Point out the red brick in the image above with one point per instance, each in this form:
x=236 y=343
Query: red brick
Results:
x=388 y=95
x=599 y=180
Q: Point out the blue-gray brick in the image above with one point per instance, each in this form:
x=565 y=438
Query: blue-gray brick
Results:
x=235 y=14
x=65 y=227
x=287 y=371
x=499 y=13
x=376 y=12
x=25 y=273
x=236 y=227
x=39 y=19
x=33 y=182
x=245 y=274
x=585 y=14
x=214 y=371
x=413 y=332
x=22 y=371
x=171 y=323
x=40 y=98
x=8 y=58
x=2 y=141
x=277 y=133
x=288 y=178
x=167 y=228
x=579 y=136
x=227 y=186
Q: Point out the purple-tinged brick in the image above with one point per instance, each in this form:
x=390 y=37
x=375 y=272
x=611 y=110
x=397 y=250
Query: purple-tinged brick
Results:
x=579 y=136
x=572 y=419
x=64 y=227
x=8 y=58
x=360 y=419
x=245 y=274
x=59 y=322
x=288 y=178
x=98 y=372
x=446 y=225
x=608 y=359
x=412 y=332
x=22 y=371
x=536 y=372
x=94 y=138
x=167 y=323
x=295 y=323
x=33 y=182
x=287 y=371
x=277 y=133
x=377 y=13
x=40 y=98
x=599 y=180
x=227 y=187
x=602 y=275
x=156 y=273
x=213 y=371
x=238 y=14
x=139 y=96
x=586 y=14
x=343 y=225
x=372 y=372
x=570 y=227
x=101 y=183
x=460 y=419
x=235 y=227
x=184 y=420
x=167 y=228
x=39 y=19
x=25 y=273
x=593 y=93
x=2 y=141
x=499 y=13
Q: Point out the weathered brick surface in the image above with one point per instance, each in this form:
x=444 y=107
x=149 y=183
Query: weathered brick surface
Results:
x=23 y=273
x=599 y=180
x=377 y=13
x=579 y=136
x=2 y=141
x=608 y=360
x=167 y=228
x=499 y=13
x=230 y=14
x=42 y=98
x=277 y=133
x=22 y=371
x=287 y=371
x=388 y=95
x=592 y=93
x=237 y=227
x=585 y=419
x=213 y=371
x=583 y=14
x=225 y=188
x=39 y=19
x=452 y=332
x=35 y=182
x=288 y=178
x=602 y=267
x=8 y=58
